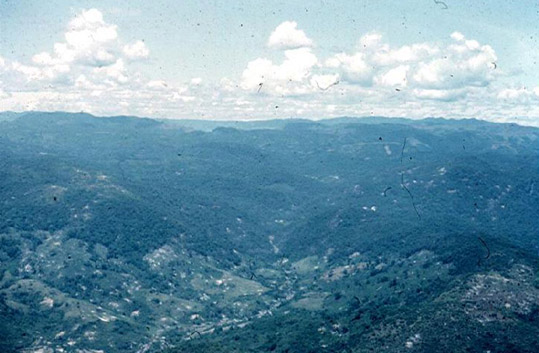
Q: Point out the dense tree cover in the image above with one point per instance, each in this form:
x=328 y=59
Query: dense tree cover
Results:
x=288 y=236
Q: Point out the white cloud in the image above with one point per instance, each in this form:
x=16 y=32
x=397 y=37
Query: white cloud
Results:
x=89 y=40
x=324 y=82
x=137 y=50
x=466 y=63
x=440 y=95
x=91 y=48
x=116 y=71
x=385 y=55
x=196 y=81
x=397 y=77
x=93 y=70
x=370 y=40
x=354 y=68
x=32 y=73
x=86 y=19
x=43 y=59
x=83 y=83
x=289 y=77
x=288 y=36
x=256 y=73
x=522 y=94
x=459 y=37
x=90 y=70
x=455 y=78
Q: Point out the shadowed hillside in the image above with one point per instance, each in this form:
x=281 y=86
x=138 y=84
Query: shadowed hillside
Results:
x=124 y=234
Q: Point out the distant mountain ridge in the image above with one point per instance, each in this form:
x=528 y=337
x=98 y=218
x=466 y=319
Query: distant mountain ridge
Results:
x=205 y=124
x=141 y=235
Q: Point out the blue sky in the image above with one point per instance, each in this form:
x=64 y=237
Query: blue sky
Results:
x=206 y=59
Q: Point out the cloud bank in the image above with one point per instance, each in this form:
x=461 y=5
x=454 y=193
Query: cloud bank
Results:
x=93 y=70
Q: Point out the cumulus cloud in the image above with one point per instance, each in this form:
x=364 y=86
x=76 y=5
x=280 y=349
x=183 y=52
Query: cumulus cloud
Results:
x=116 y=71
x=456 y=77
x=370 y=40
x=93 y=70
x=353 y=68
x=137 y=50
x=521 y=94
x=289 y=77
x=432 y=71
x=196 y=81
x=89 y=40
x=384 y=55
x=395 y=77
x=89 y=70
x=324 y=81
x=464 y=63
x=91 y=48
x=288 y=36
x=440 y=94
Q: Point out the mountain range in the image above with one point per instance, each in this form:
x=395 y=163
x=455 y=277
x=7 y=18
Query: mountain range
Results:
x=126 y=234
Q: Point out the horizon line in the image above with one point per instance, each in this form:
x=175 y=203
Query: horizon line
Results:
x=254 y=120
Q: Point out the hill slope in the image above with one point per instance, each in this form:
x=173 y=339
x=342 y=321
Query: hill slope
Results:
x=127 y=234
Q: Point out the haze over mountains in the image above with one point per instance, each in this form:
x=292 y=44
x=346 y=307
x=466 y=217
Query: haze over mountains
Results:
x=125 y=234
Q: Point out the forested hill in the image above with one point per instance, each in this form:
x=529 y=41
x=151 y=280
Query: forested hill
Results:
x=125 y=234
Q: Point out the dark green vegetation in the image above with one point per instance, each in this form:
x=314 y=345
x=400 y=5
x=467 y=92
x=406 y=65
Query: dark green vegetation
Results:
x=124 y=234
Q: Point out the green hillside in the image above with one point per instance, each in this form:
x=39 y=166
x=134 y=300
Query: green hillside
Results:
x=124 y=234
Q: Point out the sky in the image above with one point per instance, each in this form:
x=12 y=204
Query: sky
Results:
x=245 y=60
